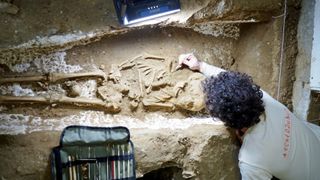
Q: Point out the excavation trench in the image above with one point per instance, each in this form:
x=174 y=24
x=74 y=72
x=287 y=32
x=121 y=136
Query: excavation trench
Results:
x=115 y=76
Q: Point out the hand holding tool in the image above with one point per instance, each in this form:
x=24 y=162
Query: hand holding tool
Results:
x=188 y=60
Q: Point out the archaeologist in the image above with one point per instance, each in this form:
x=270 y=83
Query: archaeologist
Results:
x=274 y=141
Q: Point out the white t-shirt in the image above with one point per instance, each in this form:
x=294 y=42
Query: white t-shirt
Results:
x=279 y=145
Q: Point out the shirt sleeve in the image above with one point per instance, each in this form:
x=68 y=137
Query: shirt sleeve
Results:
x=209 y=70
x=249 y=172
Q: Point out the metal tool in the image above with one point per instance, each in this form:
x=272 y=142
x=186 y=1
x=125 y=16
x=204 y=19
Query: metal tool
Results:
x=107 y=163
x=74 y=172
x=89 y=164
x=123 y=162
x=70 y=168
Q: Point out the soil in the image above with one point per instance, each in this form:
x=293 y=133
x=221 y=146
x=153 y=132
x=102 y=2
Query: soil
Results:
x=113 y=51
x=260 y=62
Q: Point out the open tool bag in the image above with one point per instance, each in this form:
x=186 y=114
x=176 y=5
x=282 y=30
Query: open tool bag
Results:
x=93 y=153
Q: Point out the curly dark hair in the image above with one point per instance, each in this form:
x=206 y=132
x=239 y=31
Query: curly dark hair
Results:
x=234 y=99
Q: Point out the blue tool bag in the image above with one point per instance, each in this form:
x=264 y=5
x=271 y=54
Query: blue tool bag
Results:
x=99 y=153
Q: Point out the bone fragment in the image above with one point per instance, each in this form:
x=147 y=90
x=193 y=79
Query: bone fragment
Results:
x=123 y=88
x=163 y=97
x=148 y=90
x=111 y=95
x=133 y=95
x=146 y=70
x=23 y=79
x=49 y=100
x=102 y=67
x=54 y=77
x=142 y=65
x=75 y=90
x=171 y=94
x=140 y=83
x=149 y=80
x=190 y=104
x=134 y=104
x=150 y=56
x=176 y=93
x=51 y=77
x=179 y=87
x=161 y=83
x=79 y=101
x=150 y=84
x=194 y=101
x=115 y=74
x=44 y=86
x=170 y=66
x=161 y=74
x=128 y=63
x=157 y=104
x=22 y=99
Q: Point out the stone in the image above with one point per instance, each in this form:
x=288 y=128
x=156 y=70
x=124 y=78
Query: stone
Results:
x=201 y=151
x=8 y=8
x=75 y=91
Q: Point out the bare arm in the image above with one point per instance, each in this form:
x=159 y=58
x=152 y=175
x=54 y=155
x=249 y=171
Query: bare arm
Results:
x=209 y=70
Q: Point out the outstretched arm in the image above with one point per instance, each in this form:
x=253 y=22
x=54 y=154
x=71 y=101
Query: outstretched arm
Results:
x=194 y=64
x=209 y=70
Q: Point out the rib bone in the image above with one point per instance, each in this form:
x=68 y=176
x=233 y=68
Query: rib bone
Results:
x=128 y=63
x=150 y=56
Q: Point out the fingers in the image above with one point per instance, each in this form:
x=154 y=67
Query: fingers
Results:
x=189 y=60
x=182 y=58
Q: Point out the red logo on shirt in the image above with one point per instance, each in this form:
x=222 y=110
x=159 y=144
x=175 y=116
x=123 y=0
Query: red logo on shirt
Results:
x=287 y=134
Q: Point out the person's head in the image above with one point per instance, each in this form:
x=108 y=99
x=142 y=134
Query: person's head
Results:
x=234 y=99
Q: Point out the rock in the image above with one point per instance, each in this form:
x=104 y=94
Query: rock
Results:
x=134 y=104
x=75 y=91
x=102 y=67
x=201 y=151
x=8 y=8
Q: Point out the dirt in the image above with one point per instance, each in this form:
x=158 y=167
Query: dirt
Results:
x=150 y=82
x=111 y=52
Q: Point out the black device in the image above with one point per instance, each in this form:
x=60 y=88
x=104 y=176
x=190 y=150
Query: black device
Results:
x=134 y=11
